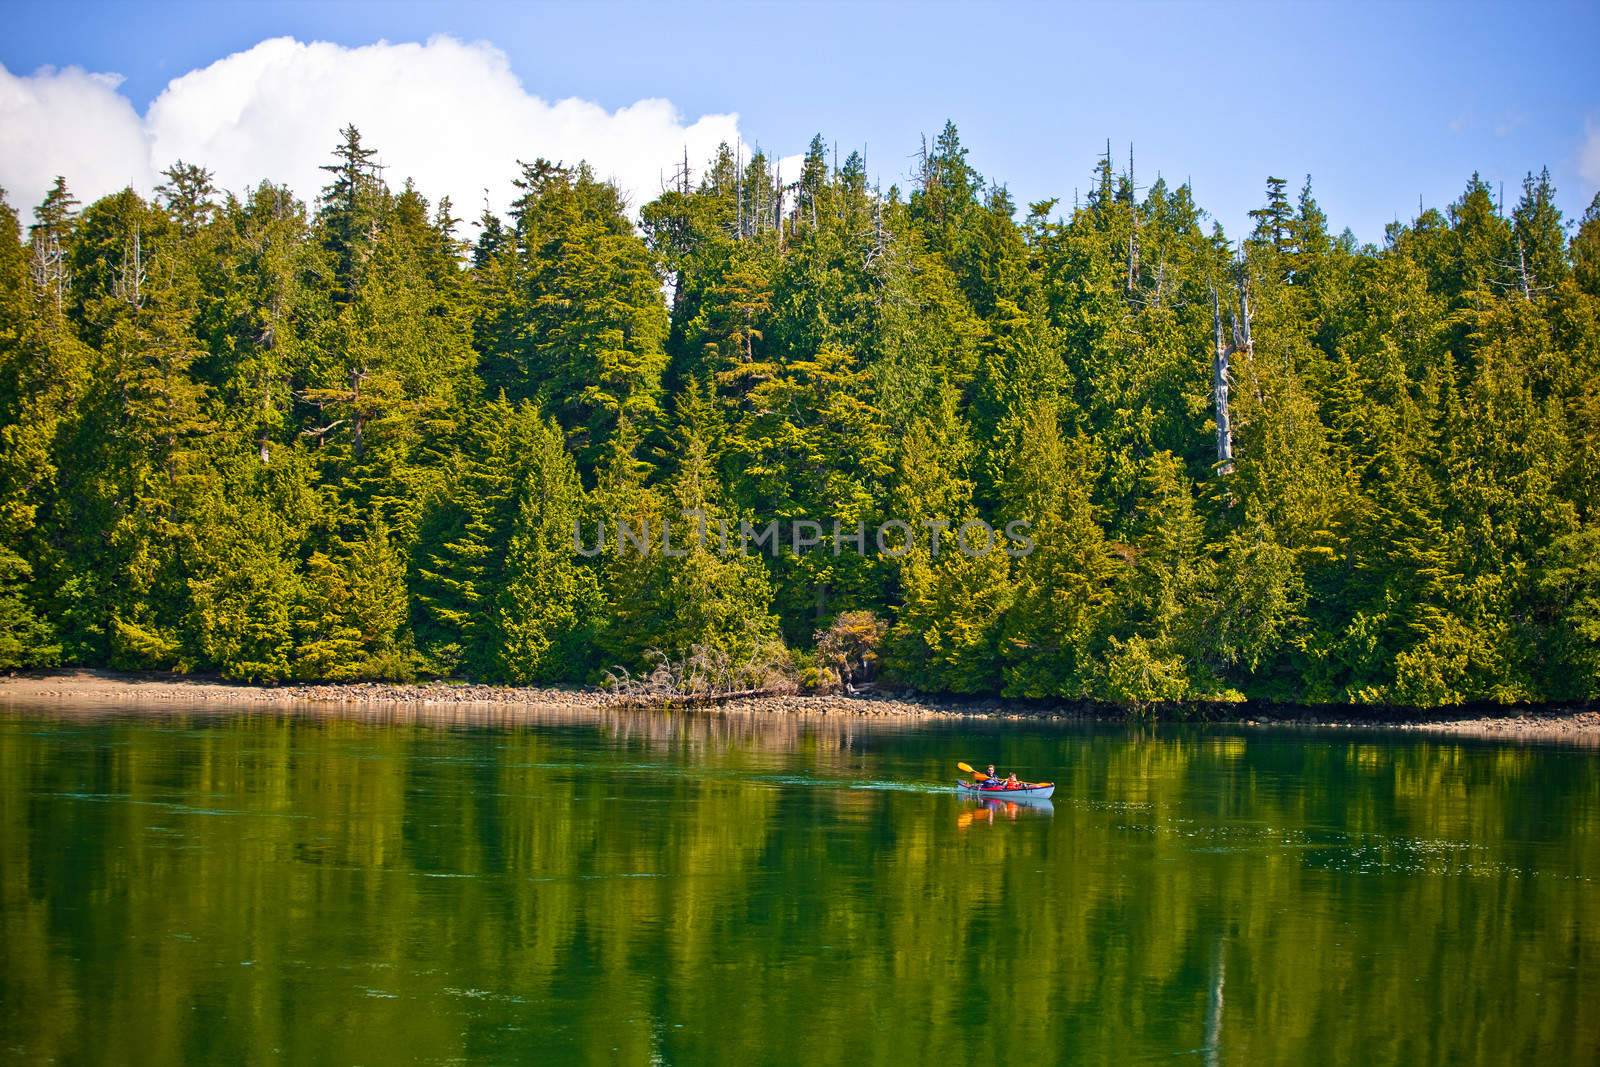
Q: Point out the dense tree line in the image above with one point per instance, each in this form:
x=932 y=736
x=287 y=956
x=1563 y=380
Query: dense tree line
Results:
x=244 y=435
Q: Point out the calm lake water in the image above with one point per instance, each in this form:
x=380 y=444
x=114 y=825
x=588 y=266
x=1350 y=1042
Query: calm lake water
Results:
x=651 y=888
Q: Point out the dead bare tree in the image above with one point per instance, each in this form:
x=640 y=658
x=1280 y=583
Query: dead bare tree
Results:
x=1521 y=277
x=701 y=675
x=1221 y=362
x=1133 y=233
x=132 y=275
x=50 y=267
x=777 y=209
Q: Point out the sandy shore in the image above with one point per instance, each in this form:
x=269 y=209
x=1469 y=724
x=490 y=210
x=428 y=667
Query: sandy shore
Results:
x=112 y=690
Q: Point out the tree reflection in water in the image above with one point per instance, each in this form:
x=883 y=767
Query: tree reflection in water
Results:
x=468 y=884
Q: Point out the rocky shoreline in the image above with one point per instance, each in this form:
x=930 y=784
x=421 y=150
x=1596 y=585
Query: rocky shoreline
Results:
x=1573 y=724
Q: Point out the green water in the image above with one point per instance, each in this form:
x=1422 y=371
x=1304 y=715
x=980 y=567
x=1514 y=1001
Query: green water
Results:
x=608 y=888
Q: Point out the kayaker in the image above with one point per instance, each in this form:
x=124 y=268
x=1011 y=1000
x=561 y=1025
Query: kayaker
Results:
x=1011 y=781
x=993 y=780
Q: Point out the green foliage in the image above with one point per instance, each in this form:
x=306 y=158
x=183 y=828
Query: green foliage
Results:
x=947 y=634
x=465 y=535
x=26 y=639
x=243 y=593
x=547 y=611
x=1260 y=594
x=573 y=316
x=352 y=614
x=30 y=409
x=1571 y=581
x=1067 y=586
x=1586 y=250
x=244 y=436
x=1139 y=673
x=705 y=601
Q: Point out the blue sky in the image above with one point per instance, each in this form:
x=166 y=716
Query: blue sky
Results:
x=1380 y=102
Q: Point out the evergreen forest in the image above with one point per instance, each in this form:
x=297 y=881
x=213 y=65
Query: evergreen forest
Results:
x=245 y=435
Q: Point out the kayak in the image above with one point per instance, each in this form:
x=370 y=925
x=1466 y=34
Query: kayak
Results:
x=1025 y=791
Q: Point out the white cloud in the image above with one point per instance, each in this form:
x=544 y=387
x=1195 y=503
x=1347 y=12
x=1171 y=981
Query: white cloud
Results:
x=449 y=114
x=1589 y=155
x=789 y=167
x=72 y=123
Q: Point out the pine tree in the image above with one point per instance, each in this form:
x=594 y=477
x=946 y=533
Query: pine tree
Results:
x=263 y=317
x=1586 y=250
x=711 y=600
x=49 y=239
x=1308 y=235
x=464 y=535
x=583 y=326
x=1066 y=586
x=1275 y=220
x=547 y=609
x=1257 y=622
x=349 y=208
x=243 y=590
x=623 y=506
x=810 y=446
x=1570 y=582
x=1483 y=247
x=351 y=619
x=947 y=193
x=1539 y=236
x=187 y=196
x=26 y=638
x=45 y=375
x=1171 y=584
x=691 y=594
x=1020 y=368
x=947 y=632
x=137 y=468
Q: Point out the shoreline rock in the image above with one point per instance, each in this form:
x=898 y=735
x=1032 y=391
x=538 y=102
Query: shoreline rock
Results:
x=1573 y=724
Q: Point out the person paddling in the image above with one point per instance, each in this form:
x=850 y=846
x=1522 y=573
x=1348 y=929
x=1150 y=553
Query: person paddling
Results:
x=989 y=779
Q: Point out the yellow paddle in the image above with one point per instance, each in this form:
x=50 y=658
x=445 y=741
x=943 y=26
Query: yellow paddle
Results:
x=969 y=770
